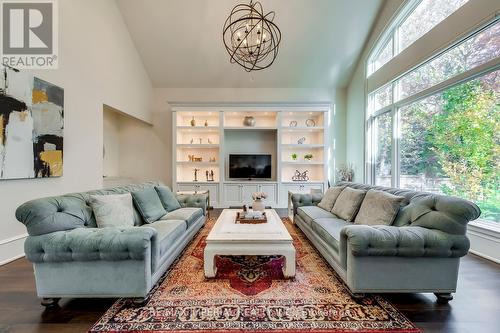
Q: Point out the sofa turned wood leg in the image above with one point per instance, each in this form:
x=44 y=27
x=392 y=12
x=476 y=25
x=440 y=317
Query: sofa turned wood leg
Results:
x=443 y=298
x=139 y=301
x=49 y=302
x=358 y=296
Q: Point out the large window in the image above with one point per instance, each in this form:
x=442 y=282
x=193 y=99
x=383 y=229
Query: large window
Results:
x=450 y=143
x=422 y=16
x=436 y=128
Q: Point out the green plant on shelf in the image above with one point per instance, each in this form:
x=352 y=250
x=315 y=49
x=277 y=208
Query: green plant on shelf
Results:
x=308 y=157
x=294 y=156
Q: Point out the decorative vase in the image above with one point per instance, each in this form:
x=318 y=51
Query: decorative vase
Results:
x=258 y=205
x=193 y=122
x=249 y=121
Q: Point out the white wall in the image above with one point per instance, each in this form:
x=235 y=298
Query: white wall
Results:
x=111 y=142
x=161 y=110
x=143 y=149
x=355 y=127
x=98 y=64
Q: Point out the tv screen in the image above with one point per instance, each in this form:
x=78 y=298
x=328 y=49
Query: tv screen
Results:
x=247 y=166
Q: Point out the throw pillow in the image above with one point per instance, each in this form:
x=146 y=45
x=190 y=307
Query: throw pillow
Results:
x=148 y=204
x=167 y=198
x=347 y=205
x=330 y=197
x=378 y=208
x=115 y=210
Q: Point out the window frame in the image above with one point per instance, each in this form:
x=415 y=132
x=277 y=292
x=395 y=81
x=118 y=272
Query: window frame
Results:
x=394 y=109
x=392 y=31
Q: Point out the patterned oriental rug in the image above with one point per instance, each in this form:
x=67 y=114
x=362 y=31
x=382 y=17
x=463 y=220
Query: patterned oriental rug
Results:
x=250 y=294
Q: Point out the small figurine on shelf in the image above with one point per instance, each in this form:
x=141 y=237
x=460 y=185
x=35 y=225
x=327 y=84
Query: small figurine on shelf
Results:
x=206 y=123
x=196 y=174
x=201 y=140
x=209 y=141
x=300 y=176
x=212 y=159
x=308 y=157
x=211 y=176
x=206 y=175
x=192 y=140
x=193 y=122
x=301 y=140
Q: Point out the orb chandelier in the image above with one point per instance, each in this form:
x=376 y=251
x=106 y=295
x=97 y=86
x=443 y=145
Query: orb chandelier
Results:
x=250 y=37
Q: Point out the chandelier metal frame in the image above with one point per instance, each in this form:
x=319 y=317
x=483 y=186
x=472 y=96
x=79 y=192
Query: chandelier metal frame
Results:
x=251 y=37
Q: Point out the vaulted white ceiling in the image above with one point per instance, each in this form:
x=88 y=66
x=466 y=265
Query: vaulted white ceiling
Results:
x=180 y=42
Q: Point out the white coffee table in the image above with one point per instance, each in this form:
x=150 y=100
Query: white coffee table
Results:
x=229 y=238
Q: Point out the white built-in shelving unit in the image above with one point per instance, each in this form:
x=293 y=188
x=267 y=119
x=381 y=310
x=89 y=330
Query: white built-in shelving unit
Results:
x=219 y=131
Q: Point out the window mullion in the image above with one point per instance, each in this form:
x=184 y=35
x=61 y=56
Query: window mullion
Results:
x=395 y=169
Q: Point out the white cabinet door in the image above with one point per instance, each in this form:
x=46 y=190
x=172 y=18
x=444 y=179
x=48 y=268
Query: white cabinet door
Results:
x=232 y=194
x=297 y=188
x=246 y=193
x=272 y=193
x=213 y=192
x=212 y=188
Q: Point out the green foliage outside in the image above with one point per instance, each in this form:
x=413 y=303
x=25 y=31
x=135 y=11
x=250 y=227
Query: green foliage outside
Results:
x=456 y=136
x=465 y=138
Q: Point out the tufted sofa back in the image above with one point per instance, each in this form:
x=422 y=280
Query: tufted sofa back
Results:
x=429 y=210
x=69 y=211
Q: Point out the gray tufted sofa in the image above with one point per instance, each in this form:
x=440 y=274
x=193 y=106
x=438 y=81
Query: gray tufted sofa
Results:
x=74 y=258
x=419 y=252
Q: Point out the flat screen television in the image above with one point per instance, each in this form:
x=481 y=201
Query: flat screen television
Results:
x=250 y=166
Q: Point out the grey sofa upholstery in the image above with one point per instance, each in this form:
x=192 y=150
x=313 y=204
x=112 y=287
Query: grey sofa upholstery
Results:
x=74 y=258
x=419 y=252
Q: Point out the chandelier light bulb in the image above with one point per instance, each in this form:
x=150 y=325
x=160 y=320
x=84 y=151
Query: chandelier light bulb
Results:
x=257 y=26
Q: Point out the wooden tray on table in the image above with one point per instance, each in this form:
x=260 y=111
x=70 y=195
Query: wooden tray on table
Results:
x=240 y=218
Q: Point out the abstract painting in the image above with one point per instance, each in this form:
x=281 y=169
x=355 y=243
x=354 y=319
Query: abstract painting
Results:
x=31 y=126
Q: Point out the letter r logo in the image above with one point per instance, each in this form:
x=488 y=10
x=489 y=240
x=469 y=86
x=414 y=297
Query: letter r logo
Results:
x=27 y=27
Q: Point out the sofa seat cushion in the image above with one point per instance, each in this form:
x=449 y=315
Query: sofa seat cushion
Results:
x=329 y=230
x=188 y=214
x=168 y=232
x=310 y=213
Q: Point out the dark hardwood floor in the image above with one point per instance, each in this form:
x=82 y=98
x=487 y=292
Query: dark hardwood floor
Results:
x=476 y=307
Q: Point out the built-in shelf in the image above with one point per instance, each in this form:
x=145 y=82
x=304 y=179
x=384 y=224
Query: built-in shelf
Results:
x=302 y=162
x=227 y=133
x=198 y=182
x=198 y=163
x=296 y=145
x=302 y=129
x=248 y=128
x=197 y=128
x=198 y=145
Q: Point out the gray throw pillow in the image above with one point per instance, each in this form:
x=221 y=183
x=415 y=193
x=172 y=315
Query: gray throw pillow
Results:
x=378 y=208
x=330 y=197
x=167 y=198
x=347 y=205
x=148 y=204
x=114 y=210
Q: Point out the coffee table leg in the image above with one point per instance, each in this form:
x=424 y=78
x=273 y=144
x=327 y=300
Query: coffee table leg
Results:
x=289 y=269
x=209 y=263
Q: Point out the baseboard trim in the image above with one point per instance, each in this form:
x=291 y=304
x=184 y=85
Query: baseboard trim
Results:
x=12 y=248
x=5 y=262
x=482 y=255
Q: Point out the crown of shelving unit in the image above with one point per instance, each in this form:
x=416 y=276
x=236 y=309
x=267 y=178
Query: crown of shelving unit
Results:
x=209 y=139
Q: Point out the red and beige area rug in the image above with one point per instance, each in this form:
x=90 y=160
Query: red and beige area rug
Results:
x=250 y=294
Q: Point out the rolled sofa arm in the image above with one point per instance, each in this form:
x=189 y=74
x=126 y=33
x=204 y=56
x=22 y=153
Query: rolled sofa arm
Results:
x=366 y=240
x=301 y=199
x=90 y=244
x=198 y=200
